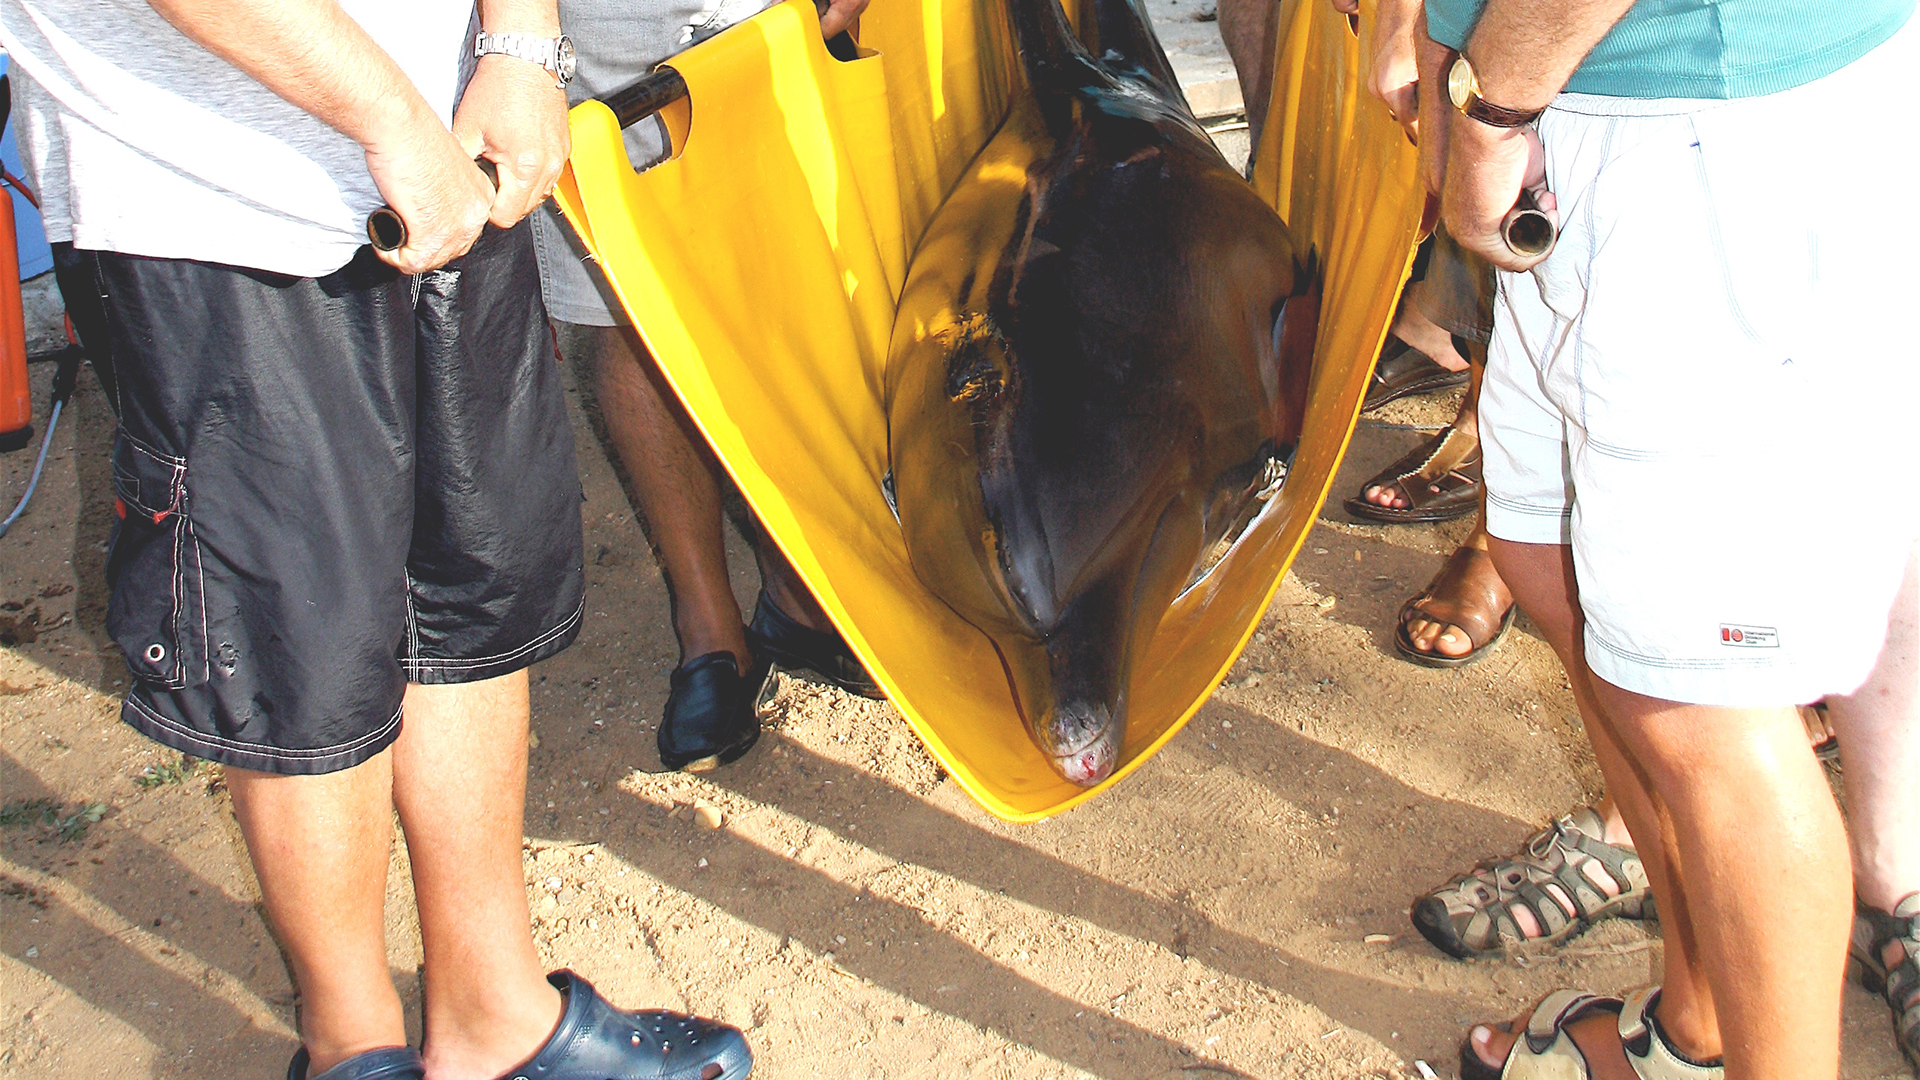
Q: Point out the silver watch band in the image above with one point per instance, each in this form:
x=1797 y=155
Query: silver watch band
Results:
x=554 y=54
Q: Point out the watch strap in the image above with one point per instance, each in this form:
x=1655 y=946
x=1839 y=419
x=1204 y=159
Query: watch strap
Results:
x=533 y=48
x=1487 y=112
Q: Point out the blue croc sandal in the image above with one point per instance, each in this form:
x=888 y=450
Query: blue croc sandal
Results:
x=386 y=1063
x=596 y=1041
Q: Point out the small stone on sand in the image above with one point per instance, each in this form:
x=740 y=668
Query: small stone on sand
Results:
x=708 y=817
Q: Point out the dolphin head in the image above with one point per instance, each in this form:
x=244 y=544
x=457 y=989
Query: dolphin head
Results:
x=1081 y=381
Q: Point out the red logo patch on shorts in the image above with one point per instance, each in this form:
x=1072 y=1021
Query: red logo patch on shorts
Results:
x=1749 y=637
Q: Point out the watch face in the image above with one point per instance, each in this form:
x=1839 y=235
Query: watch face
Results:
x=564 y=59
x=1460 y=83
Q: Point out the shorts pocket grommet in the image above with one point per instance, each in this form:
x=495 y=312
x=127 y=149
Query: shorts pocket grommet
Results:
x=156 y=652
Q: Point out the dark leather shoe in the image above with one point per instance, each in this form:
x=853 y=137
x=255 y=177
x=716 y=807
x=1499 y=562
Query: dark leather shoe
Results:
x=595 y=1041
x=710 y=717
x=775 y=635
x=386 y=1063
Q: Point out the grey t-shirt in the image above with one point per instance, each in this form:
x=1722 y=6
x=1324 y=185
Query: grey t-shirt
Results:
x=143 y=142
x=615 y=43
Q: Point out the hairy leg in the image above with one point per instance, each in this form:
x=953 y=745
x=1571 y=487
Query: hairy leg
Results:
x=1249 y=29
x=672 y=474
x=1412 y=326
x=783 y=583
x=1763 y=868
x=459 y=782
x=1542 y=579
x=319 y=846
x=1879 y=730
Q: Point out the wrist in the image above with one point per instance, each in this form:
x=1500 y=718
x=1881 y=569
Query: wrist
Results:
x=394 y=119
x=1510 y=87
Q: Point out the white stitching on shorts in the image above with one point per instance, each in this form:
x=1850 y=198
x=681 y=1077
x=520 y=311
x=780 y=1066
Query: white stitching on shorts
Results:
x=1719 y=241
x=413 y=624
x=425 y=664
x=1561 y=512
x=215 y=742
x=200 y=575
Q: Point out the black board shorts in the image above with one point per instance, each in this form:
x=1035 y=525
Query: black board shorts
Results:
x=326 y=488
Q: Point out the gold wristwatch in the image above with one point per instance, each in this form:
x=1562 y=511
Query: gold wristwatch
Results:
x=1463 y=88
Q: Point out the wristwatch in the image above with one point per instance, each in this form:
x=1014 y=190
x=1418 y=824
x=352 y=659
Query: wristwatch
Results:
x=554 y=54
x=1463 y=88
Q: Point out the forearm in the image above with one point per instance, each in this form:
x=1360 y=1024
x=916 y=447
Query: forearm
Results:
x=1524 y=51
x=541 y=17
x=314 y=55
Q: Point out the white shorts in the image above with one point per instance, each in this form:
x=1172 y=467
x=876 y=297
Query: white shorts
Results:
x=1709 y=388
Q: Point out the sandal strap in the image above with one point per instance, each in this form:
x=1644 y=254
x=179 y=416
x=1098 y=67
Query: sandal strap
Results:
x=1480 y=902
x=1443 y=464
x=1475 y=609
x=1545 y=1051
x=1898 y=983
x=1648 y=1051
x=1555 y=1012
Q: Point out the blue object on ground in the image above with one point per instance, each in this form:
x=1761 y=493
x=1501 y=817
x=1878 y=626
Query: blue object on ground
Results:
x=30 y=238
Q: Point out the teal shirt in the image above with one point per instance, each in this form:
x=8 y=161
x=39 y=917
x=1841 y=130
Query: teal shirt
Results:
x=1712 y=48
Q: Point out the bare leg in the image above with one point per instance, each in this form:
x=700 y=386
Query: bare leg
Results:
x=459 y=782
x=1879 y=730
x=1764 y=873
x=673 y=476
x=319 y=846
x=1249 y=28
x=1412 y=326
x=789 y=593
x=1721 y=801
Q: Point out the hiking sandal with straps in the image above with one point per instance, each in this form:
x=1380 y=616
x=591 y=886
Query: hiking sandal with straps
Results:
x=1472 y=915
x=1546 y=1051
x=1899 y=983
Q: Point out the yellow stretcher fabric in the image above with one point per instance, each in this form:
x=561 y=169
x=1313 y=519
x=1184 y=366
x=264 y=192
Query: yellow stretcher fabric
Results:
x=761 y=265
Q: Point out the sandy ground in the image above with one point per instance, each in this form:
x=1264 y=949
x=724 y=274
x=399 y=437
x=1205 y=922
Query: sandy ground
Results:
x=1237 y=908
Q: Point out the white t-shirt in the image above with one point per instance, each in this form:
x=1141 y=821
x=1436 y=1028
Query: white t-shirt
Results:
x=145 y=143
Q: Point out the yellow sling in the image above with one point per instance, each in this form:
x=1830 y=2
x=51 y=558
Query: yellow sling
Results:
x=762 y=262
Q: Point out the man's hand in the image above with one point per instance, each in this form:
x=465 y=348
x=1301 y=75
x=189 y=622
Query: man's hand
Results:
x=1487 y=169
x=1395 y=75
x=430 y=180
x=513 y=114
x=838 y=15
x=1436 y=112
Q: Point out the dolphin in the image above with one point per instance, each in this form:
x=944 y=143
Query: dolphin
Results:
x=1091 y=387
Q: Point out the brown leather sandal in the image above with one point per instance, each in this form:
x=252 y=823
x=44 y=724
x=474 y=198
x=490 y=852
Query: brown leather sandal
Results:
x=1448 y=599
x=1403 y=371
x=1439 y=479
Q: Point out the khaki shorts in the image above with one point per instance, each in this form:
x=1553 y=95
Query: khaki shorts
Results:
x=1706 y=389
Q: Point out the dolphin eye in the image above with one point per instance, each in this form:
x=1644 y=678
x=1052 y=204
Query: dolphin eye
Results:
x=977 y=370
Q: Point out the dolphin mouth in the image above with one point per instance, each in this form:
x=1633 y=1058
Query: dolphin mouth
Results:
x=1093 y=761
